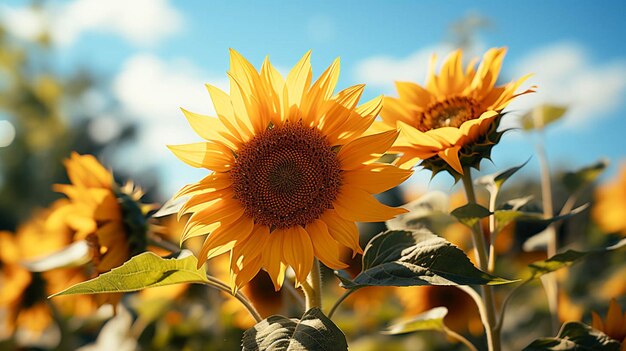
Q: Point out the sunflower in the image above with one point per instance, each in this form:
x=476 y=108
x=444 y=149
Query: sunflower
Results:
x=291 y=171
x=108 y=217
x=610 y=206
x=452 y=121
x=614 y=325
x=23 y=295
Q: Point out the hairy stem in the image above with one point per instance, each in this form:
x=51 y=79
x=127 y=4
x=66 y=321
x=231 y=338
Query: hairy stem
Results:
x=493 y=335
x=312 y=288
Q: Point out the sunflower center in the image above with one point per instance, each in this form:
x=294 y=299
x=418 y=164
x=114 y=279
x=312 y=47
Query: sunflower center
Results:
x=286 y=176
x=451 y=112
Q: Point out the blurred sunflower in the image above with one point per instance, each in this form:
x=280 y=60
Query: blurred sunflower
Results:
x=24 y=294
x=452 y=122
x=610 y=206
x=109 y=218
x=614 y=325
x=291 y=171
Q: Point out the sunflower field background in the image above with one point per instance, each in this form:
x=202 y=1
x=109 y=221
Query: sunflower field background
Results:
x=312 y=176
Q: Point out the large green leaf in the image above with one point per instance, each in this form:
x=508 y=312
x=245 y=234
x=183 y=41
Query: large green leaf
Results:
x=277 y=333
x=470 y=214
x=541 y=116
x=416 y=257
x=429 y=320
x=574 y=181
x=575 y=336
x=566 y=259
x=146 y=270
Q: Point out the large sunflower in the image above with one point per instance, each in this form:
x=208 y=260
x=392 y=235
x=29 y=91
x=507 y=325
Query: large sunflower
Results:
x=452 y=121
x=291 y=171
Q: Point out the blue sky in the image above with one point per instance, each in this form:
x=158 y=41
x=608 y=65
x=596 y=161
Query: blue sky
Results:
x=155 y=55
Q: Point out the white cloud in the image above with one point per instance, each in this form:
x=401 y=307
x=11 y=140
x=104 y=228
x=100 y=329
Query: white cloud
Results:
x=151 y=91
x=565 y=74
x=142 y=22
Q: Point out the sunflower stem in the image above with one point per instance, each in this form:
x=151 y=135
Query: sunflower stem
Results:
x=493 y=335
x=459 y=337
x=312 y=288
x=339 y=301
x=549 y=281
x=220 y=285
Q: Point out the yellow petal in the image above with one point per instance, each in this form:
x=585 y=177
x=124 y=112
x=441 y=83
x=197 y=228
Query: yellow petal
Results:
x=212 y=182
x=208 y=155
x=226 y=113
x=355 y=153
x=108 y=210
x=614 y=321
x=211 y=129
x=298 y=252
x=274 y=87
x=342 y=230
x=199 y=201
x=324 y=245
x=299 y=80
x=224 y=238
x=340 y=108
x=355 y=204
x=375 y=178
x=220 y=210
x=596 y=321
x=451 y=156
x=272 y=258
x=320 y=92
x=360 y=121
x=414 y=93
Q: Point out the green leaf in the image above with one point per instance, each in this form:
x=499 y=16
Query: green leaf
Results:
x=566 y=259
x=430 y=211
x=575 y=336
x=574 y=181
x=429 y=320
x=470 y=214
x=516 y=204
x=493 y=182
x=540 y=237
x=277 y=333
x=416 y=257
x=146 y=270
x=505 y=217
x=541 y=116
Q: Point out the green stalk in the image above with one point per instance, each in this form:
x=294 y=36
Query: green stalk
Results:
x=549 y=281
x=493 y=334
